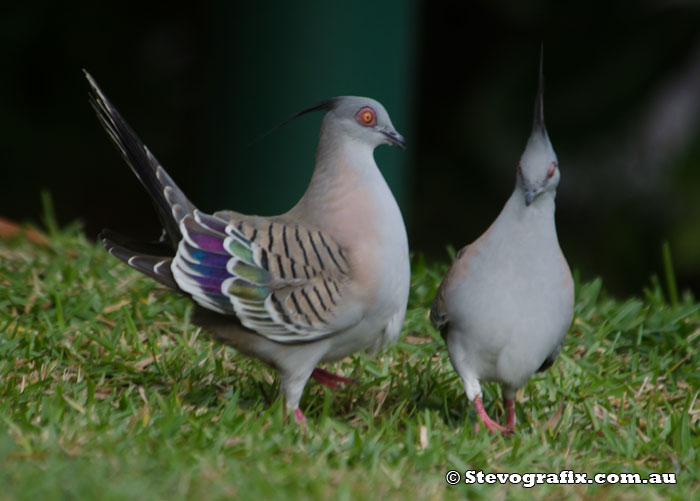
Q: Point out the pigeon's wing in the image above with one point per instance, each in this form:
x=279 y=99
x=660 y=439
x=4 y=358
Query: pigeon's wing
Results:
x=283 y=280
x=438 y=311
x=549 y=361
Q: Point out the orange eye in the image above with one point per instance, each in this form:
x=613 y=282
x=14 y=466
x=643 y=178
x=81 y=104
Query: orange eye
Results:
x=552 y=170
x=366 y=117
x=519 y=169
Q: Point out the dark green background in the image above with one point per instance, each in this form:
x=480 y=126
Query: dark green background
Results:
x=202 y=84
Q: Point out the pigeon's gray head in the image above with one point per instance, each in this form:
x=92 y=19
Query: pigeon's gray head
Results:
x=361 y=118
x=538 y=169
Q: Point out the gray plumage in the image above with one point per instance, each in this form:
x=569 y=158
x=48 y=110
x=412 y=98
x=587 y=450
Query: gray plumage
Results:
x=324 y=280
x=506 y=303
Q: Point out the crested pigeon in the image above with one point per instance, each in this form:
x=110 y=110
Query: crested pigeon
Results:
x=506 y=303
x=326 y=279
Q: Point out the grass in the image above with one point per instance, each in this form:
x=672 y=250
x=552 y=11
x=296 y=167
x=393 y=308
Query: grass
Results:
x=107 y=392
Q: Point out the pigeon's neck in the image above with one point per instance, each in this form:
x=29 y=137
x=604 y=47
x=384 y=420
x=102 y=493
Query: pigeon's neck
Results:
x=536 y=218
x=345 y=168
x=338 y=151
x=349 y=197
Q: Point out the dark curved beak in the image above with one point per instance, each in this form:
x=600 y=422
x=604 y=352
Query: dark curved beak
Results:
x=531 y=195
x=394 y=138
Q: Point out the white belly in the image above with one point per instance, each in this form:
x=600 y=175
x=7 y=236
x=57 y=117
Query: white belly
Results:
x=512 y=309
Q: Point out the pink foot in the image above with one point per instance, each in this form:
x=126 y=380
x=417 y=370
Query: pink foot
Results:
x=299 y=417
x=329 y=379
x=488 y=422
x=510 y=407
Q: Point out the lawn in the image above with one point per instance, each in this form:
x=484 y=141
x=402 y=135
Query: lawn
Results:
x=107 y=392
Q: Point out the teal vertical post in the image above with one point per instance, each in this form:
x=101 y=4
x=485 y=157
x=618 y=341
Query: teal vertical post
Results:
x=272 y=59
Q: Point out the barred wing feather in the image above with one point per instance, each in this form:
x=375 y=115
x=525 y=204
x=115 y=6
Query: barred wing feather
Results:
x=281 y=279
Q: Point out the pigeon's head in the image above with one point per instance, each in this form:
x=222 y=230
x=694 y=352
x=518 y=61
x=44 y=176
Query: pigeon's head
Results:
x=538 y=169
x=361 y=118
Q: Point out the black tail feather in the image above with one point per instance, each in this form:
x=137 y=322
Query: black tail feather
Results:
x=170 y=201
x=155 y=266
x=159 y=248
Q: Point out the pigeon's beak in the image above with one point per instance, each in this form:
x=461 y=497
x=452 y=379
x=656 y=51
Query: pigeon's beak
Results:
x=394 y=137
x=531 y=194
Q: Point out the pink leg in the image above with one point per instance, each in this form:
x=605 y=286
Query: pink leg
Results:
x=328 y=378
x=488 y=422
x=510 y=407
x=299 y=417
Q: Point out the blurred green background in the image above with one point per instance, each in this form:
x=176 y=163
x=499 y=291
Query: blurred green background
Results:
x=202 y=84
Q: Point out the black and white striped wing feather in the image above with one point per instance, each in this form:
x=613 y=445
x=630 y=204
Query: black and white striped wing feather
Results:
x=281 y=279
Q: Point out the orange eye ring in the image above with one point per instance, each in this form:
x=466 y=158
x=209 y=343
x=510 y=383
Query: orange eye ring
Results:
x=552 y=170
x=366 y=117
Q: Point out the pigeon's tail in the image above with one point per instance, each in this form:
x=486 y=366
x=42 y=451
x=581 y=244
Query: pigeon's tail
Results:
x=152 y=259
x=170 y=201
